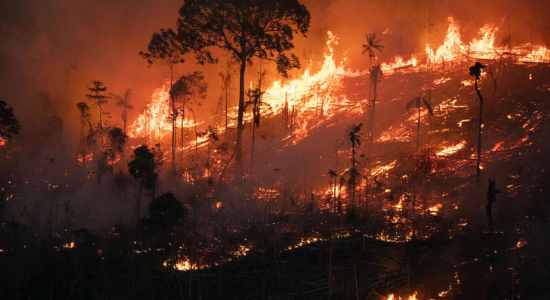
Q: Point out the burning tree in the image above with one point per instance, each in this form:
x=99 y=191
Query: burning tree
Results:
x=166 y=48
x=246 y=29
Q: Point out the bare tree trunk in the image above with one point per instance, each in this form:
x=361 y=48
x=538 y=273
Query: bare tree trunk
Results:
x=238 y=145
x=478 y=167
x=174 y=114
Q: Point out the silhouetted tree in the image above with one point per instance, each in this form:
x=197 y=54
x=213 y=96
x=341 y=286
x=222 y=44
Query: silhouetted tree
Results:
x=166 y=212
x=255 y=101
x=166 y=48
x=353 y=134
x=375 y=76
x=84 y=110
x=475 y=71
x=372 y=44
x=97 y=98
x=9 y=125
x=188 y=90
x=246 y=29
x=124 y=102
x=226 y=75
x=143 y=168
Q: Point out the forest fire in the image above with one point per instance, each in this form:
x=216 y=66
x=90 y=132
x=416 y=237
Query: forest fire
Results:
x=270 y=150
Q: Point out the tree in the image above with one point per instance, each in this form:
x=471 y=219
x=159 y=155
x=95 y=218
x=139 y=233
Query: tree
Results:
x=124 y=102
x=166 y=212
x=84 y=110
x=416 y=103
x=475 y=71
x=375 y=75
x=246 y=29
x=166 y=48
x=9 y=125
x=353 y=133
x=143 y=168
x=117 y=140
x=372 y=44
x=226 y=75
x=255 y=101
x=188 y=89
x=492 y=193
x=97 y=98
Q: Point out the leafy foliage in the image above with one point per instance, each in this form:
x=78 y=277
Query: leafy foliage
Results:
x=9 y=125
x=165 y=47
x=143 y=168
x=246 y=28
x=166 y=212
x=372 y=44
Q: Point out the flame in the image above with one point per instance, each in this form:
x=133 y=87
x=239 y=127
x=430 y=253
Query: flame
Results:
x=2 y=141
x=434 y=210
x=393 y=297
x=452 y=149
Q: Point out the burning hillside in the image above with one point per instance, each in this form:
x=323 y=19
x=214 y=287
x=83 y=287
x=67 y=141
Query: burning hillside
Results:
x=414 y=174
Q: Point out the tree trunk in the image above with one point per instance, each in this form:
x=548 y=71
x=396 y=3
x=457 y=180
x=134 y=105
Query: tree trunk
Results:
x=478 y=169
x=374 y=95
x=238 y=146
x=174 y=114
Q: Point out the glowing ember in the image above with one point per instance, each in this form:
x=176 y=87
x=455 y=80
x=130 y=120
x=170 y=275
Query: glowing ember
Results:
x=68 y=245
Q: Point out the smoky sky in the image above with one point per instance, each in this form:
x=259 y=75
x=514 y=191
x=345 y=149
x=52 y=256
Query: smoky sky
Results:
x=51 y=50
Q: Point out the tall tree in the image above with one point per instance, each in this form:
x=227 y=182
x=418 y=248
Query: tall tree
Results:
x=166 y=48
x=372 y=45
x=124 y=102
x=246 y=29
x=99 y=99
x=188 y=90
x=475 y=71
x=226 y=75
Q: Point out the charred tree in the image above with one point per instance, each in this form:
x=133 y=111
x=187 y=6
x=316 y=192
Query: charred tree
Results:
x=475 y=71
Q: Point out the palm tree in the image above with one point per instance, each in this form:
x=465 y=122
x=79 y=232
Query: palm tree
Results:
x=124 y=102
x=475 y=70
x=353 y=134
x=416 y=103
x=372 y=44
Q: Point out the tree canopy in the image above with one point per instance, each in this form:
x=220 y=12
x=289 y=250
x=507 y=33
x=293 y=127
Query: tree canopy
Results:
x=9 y=125
x=245 y=28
